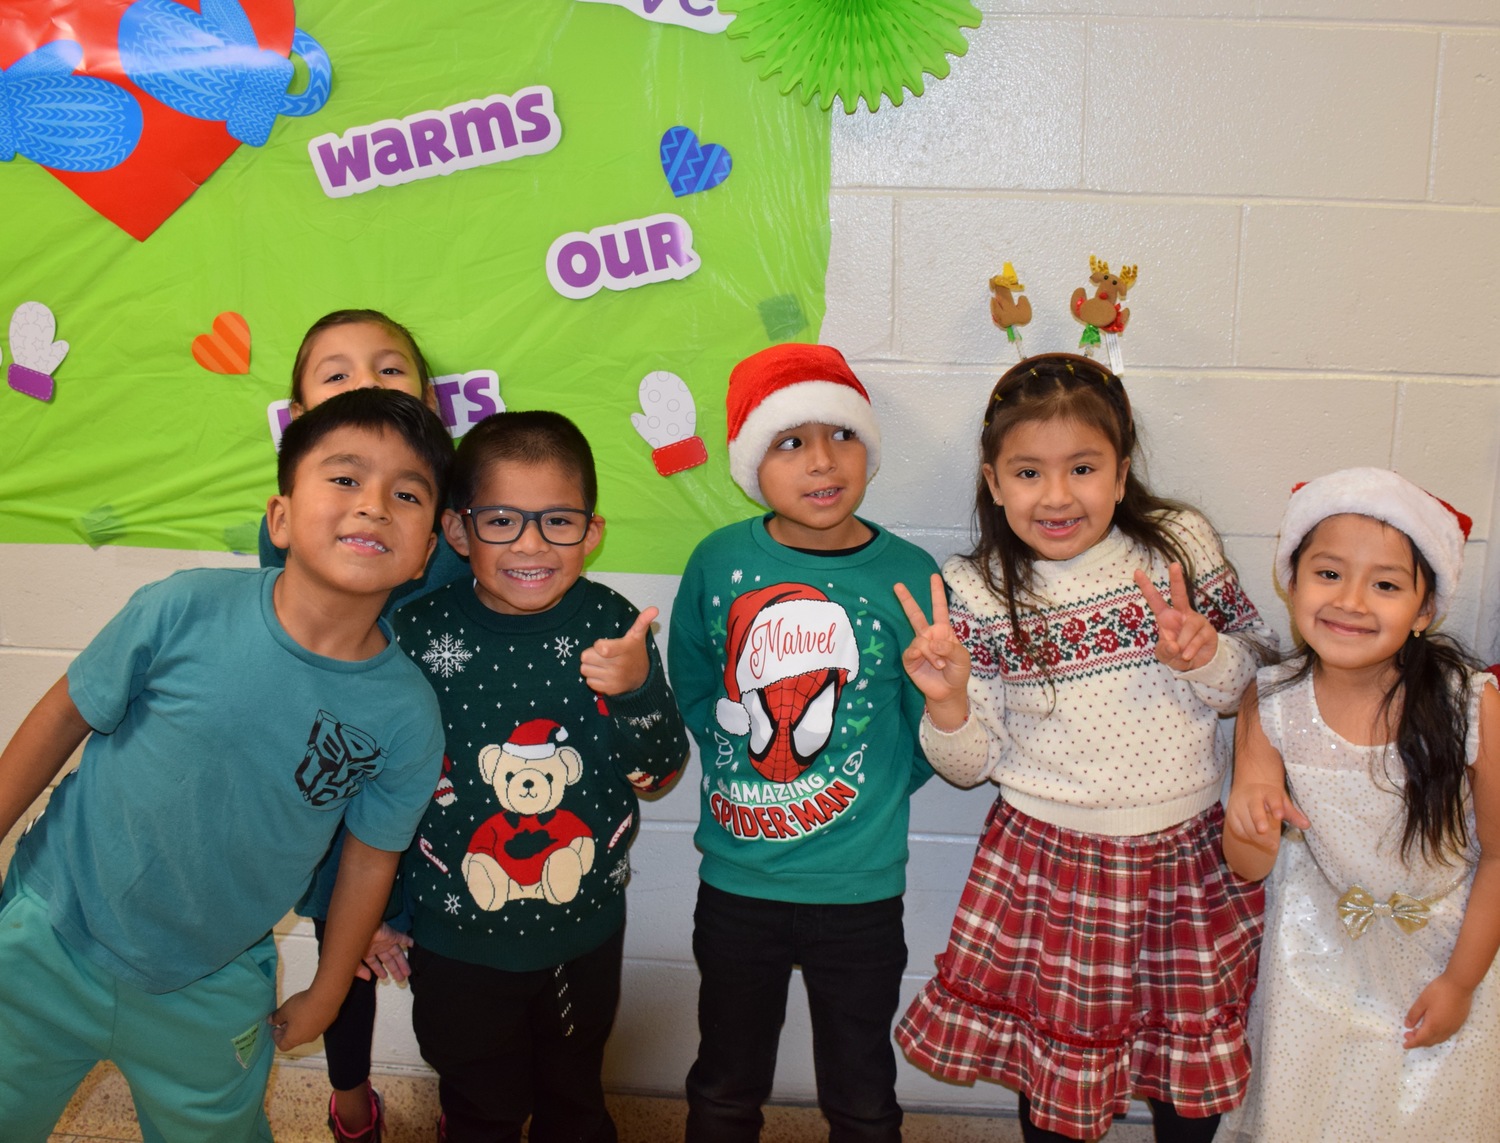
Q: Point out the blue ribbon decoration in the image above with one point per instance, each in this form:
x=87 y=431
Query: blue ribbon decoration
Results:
x=64 y=121
x=210 y=66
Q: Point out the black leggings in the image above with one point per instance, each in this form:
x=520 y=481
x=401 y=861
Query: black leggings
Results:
x=347 y=1041
x=1169 y=1127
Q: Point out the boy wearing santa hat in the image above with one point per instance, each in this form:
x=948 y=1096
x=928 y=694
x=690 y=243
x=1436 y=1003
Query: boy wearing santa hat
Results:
x=785 y=647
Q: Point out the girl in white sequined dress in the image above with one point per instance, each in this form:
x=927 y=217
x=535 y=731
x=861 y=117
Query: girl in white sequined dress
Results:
x=1377 y=1014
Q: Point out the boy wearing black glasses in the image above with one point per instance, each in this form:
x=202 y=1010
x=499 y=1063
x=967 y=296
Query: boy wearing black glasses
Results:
x=557 y=711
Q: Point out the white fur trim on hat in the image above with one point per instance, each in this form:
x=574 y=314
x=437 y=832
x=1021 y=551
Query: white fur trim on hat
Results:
x=1382 y=495
x=807 y=402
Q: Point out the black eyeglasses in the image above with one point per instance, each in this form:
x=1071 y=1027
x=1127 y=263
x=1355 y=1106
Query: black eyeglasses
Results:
x=563 y=527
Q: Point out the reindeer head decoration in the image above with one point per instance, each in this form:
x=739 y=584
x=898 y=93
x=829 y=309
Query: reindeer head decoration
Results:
x=1103 y=309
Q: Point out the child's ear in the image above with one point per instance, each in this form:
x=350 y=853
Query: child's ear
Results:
x=1120 y=479
x=458 y=535
x=989 y=478
x=277 y=521
x=1424 y=617
x=592 y=537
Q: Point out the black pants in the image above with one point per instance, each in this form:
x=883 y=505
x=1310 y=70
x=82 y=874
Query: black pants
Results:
x=346 y=1043
x=511 y=1045
x=852 y=957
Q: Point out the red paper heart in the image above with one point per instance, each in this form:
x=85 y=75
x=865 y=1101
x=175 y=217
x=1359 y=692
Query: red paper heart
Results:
x=177 y=153
x=226 y=349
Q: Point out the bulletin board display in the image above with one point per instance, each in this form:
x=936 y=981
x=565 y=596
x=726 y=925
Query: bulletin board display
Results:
x=571 y=205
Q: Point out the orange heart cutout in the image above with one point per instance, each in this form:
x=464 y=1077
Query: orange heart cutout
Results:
x=226 y=349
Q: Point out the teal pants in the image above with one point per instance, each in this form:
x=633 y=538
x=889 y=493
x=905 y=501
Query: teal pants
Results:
x=197 y=1059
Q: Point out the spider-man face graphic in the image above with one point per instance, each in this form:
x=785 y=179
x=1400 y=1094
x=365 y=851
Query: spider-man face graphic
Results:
x=791 y=721
x=790 y=651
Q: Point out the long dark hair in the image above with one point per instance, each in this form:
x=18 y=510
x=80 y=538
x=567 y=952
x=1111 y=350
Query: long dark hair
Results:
x=1429 y=699
x=1065 y=387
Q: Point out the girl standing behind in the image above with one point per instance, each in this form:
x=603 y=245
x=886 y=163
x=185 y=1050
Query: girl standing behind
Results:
x=1101 y=950
x=1377 y=1015
x=360 y=349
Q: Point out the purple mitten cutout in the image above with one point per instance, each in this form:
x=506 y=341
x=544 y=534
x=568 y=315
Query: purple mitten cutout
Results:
x=30 y=382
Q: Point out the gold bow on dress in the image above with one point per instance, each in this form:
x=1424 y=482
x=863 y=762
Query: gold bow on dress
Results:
x=1357 y=909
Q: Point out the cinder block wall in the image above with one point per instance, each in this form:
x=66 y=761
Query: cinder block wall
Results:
x=1312 y=191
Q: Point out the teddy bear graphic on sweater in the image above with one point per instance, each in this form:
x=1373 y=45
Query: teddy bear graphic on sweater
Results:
x=531 y=849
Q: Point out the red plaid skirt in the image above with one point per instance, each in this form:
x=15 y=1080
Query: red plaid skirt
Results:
x=1084 y=970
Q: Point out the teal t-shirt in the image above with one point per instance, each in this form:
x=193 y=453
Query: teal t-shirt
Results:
x=445 y=567
x=787 y=667
x=224 y=756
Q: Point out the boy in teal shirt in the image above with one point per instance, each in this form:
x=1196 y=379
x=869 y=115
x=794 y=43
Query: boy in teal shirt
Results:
x=785 y=649
x=233 y=719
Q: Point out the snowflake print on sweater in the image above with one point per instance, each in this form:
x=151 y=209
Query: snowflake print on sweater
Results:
x=446 y=656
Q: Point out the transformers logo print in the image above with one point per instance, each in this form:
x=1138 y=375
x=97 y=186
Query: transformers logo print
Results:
x=338 y=760
x=791 y=650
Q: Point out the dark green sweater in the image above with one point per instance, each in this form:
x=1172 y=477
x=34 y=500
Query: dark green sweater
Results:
x=788 y=669
x=496 y=882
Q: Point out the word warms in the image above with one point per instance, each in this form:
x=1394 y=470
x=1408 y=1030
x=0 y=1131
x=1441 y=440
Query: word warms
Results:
x=429 y=143
x=622 y=257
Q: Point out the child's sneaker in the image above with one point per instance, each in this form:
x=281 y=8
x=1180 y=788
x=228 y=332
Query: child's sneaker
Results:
x=370 y=1134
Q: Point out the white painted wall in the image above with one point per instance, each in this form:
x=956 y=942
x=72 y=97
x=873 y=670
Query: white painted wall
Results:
x=1312 y=191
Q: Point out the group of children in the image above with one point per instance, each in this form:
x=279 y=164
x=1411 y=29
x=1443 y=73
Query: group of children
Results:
x=253 y=736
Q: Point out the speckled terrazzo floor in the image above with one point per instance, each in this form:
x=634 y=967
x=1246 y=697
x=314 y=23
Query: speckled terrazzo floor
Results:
x=298 y=1104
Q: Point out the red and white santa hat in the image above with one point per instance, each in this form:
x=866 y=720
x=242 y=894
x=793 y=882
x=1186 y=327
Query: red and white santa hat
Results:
x=1436 y=528
x=778 y=632
x=536 y=739
x=787 y=385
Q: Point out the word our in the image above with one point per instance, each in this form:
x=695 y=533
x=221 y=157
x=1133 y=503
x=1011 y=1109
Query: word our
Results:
x=429 y=143
x=623 y=256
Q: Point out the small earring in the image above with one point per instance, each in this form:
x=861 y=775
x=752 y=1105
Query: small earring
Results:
x=1416 y=632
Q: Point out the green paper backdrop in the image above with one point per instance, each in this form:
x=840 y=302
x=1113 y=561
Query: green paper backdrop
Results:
x=142 y=446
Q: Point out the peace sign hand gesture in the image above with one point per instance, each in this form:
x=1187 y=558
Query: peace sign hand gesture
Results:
x=618 y=666
x=1185 y=640
x=936 y=660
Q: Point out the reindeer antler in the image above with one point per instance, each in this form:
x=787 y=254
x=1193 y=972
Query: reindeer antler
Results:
x=1128 y=276
x=1097 y=267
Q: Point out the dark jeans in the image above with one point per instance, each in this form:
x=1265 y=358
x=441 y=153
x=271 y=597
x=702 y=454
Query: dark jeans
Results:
x=346 y=1043
x=508 y=1045
x=852 y=957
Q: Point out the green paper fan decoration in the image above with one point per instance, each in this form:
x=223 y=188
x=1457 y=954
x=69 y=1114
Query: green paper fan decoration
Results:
x=852 y=49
